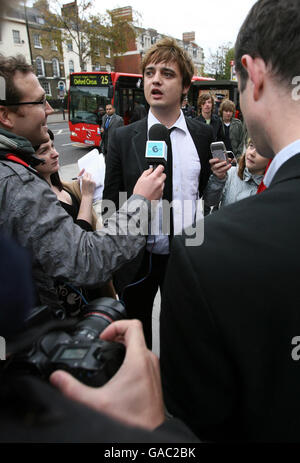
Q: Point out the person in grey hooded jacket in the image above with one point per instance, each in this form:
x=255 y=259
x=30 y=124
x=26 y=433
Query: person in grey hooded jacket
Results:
x=229 y=184
x=30 y=212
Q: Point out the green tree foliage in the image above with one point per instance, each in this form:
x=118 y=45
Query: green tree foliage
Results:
x=228 y=59
x=216 y=62
x=91 y=33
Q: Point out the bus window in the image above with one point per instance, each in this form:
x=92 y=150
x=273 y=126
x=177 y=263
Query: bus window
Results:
x=84 y=103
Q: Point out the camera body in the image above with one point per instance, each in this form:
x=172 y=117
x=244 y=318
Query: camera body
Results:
x=77 y=349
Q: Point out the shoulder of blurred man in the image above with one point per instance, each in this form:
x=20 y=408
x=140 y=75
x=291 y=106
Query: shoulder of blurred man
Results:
x=226 y=319
x=54 y=418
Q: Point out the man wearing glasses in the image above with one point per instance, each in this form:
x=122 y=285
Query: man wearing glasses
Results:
x=29 y=116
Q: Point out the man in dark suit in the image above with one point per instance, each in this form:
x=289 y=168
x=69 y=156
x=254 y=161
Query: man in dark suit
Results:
x=167 y=72
x=110 y=121
x=230 y=319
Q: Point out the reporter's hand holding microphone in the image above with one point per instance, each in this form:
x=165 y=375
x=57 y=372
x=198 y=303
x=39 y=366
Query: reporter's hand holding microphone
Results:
x=151 y=183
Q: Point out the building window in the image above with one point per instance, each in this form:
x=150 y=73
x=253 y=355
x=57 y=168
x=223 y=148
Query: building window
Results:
x=53 y=45
x=46 y=87
x=147 y=42
x=40 y=68
x=96 y=67
x=55 y=68
x=108 y=68
x=37 y=41
x=16 y=36
x=70 y=46
x=71 y=65
x=108 y=53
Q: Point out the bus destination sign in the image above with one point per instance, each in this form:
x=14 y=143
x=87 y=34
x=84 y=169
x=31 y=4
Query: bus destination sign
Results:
x=90 y=80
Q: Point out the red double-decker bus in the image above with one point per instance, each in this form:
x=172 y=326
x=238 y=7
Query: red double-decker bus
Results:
x=89 y=90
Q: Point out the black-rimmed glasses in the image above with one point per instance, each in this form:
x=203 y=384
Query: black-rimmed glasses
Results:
x=42 y=102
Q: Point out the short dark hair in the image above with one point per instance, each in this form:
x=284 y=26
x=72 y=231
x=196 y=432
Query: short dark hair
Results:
x=271 y=31
x=227 y=105
x=202 y=98
x=167 y=50
x=8 y=67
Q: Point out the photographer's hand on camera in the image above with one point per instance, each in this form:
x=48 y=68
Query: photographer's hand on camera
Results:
x=151 y=183
x=219 y=168
x=134 y=394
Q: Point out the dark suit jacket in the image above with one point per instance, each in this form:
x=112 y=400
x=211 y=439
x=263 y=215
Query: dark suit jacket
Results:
x=126 y=157
x=216 y=125
x=115 y=121
x=230 y=311
x=54 y=418
x=125 y=163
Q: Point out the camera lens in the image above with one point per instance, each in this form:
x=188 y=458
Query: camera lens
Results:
x=98 y=315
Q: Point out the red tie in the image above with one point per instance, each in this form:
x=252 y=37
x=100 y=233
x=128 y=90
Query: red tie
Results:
x=262 y=186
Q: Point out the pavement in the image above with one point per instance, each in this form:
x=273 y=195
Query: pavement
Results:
x=57 y=116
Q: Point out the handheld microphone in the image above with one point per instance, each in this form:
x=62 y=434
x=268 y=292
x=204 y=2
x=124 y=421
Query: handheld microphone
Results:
x=156 y=147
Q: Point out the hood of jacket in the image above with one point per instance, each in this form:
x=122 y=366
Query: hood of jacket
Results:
x=20 y=146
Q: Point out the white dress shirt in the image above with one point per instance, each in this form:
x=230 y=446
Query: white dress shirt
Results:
x=185 y=184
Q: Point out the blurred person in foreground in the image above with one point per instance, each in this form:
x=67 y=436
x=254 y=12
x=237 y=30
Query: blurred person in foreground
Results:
x=229 y=184
x=125 y=409
x=230 y=319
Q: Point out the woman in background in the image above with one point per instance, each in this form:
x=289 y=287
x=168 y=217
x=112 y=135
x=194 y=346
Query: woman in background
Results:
x=77 y=204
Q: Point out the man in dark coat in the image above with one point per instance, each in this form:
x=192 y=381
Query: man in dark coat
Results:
x=230 y=320
x=206 y=109
x=167 y=71
x=110 y=121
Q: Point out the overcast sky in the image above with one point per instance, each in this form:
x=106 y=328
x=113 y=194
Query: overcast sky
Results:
x=214 y=21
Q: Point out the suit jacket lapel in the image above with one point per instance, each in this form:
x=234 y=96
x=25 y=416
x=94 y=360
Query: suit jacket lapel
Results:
x=288 y=170
x=139 y=144
x=111 y=120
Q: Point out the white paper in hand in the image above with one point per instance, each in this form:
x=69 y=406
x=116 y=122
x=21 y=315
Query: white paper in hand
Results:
x=93 y=163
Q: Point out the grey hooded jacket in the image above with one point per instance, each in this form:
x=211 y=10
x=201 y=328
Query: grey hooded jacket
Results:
x=231 y=188
x=61 y=250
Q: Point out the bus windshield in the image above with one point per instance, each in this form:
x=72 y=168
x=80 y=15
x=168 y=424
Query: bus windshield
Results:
x=84 y=103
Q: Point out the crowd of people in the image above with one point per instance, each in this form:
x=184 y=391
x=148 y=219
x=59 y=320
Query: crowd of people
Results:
x=230 y=306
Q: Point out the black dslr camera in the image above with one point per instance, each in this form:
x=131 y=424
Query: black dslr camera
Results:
x=75 y=346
